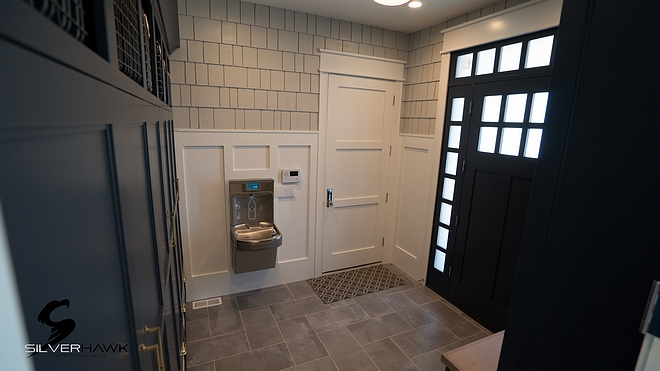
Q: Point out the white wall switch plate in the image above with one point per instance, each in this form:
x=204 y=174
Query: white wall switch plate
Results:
x=284 y=191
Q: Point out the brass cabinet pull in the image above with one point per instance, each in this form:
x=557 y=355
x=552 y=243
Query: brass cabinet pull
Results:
x=158 y=348
x=183 y=349
x=146 y=22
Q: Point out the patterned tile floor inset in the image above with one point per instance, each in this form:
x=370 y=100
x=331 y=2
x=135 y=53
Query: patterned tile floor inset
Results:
x=349 y=284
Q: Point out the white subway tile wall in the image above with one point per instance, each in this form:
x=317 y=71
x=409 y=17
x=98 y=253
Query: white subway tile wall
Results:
x=247 y=66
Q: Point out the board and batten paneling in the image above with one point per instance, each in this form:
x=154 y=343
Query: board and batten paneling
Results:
x=206 y=161
x=414 y=205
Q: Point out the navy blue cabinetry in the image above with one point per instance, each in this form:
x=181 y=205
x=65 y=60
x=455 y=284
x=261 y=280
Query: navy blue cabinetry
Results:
x=88 y=193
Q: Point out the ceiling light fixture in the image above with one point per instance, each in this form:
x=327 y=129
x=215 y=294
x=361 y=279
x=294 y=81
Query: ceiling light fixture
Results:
x=391 y=2
x=415 y=4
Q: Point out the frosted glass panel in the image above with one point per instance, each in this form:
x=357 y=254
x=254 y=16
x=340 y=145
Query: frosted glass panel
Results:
x=533 y=143
x=539 y=52
x=454 y=140
x=452 y=163
x=539 y=104
x=439 y=261
x=487 y=137
x=515 y=108
x=511 y=141
x=443 y=237
x=485 y=62
x=445 y=213
x=457 y=105
x=448 y=189
x=464 y=65
x=510 y=57
x=491 y=110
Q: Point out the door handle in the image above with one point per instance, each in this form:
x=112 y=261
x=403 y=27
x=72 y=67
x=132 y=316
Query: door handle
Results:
x=158 y=348
x=329 y=202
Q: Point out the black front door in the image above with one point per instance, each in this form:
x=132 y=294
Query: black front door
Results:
x=493 y=130
x=496 y=188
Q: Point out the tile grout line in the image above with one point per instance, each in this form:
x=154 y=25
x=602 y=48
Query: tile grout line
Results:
x=404 y=353
x=281 y=334
x=438 y=322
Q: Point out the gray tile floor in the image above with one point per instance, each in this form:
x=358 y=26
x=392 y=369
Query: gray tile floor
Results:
x=288 y=327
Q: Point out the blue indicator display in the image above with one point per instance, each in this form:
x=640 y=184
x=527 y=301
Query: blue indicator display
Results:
x=252 y=186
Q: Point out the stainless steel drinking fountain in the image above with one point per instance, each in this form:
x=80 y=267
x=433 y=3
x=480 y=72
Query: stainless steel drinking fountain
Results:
x=254 y=236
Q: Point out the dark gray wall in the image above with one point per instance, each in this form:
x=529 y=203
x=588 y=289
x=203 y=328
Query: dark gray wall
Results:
x=592 y=243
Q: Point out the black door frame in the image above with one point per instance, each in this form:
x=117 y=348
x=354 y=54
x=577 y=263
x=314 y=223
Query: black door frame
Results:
x=439 y=280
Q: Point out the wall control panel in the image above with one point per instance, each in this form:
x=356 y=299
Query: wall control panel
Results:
x=291 y=176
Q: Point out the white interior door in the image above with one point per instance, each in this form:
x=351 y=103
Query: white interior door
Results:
x=359 y=126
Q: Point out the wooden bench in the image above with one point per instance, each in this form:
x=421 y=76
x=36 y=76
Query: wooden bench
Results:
x=481 y=355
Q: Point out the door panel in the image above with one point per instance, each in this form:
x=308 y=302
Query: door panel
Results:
x=58 y=200
x=495 y=194
x=514 y=223
x=359 y=130
x=480 y=247
x=135 y=197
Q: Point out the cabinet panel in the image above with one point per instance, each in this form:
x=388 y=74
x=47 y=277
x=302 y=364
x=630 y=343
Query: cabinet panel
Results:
x=59 y=204
x=89 y=197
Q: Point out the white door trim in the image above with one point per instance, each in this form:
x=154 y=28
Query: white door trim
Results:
x=361 y=65
x=333 y=62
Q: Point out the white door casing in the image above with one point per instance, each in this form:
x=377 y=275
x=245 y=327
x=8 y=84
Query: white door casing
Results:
x=359 y=111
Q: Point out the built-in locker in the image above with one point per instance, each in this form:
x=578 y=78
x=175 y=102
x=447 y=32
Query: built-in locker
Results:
x=89 y=190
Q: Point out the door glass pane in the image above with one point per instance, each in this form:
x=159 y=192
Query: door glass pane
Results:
x=487 y=137
x=454 y=140
x=510 y=57
x=485 y=62
x=533 y=143
x=515 y=108
x=491 y=110
x=511 y=141
x=457 y=105
x=443 y=237
x=464 y=65
x=452 y=163
x=445 y=213
x=539 y=104
x=539 y=52
x=448 y=189
x=439 y=261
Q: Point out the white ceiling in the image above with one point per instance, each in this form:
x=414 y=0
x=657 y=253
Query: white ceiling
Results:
x=399 y=18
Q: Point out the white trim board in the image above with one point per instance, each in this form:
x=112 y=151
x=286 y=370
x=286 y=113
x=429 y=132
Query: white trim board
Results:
x=532 y=16
x=361 y=65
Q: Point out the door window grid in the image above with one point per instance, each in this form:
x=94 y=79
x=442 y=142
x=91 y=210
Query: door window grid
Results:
x=456 y=116
x=526 y=54
x=511 y=139
x=439 y=260
x=464 y=65
x=511 y=57
x=457 y=105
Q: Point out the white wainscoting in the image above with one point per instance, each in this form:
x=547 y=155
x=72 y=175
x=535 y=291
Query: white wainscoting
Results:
x=206 y=161
x=414 y=204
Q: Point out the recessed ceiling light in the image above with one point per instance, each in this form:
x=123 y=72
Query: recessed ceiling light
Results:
x=415 y=4
x=391 y=2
